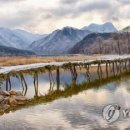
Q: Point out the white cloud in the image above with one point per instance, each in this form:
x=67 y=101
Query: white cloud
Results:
x=44 y=16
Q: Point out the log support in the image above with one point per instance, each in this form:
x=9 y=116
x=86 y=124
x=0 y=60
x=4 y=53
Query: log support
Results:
x=73 y=73
x=99 y=71
x=87 y=67
x=107 y=74
x=36 y=84
x=8 y=84
x=24 y=84
x=58 y=78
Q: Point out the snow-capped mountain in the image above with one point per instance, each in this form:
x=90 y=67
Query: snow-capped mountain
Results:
x=127 y=29
x=27 y=37
x=101 y=28
x=59 y=41
x=17 y=38
x=10 y=39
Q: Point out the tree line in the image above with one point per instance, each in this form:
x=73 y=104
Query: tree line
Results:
x=118 y=43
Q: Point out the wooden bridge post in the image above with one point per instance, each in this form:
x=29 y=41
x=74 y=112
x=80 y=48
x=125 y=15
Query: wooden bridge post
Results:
x=51 y=79
x=117 y=67
x=24 y=84
x=120 y=66
x=107 y=74
x=58 y=78
x=113 y=68
x=126 y=64
x=99 y=71
x=73 y=73
x=36 y=84
x=110 y=69
x=8 y=83
x=129 y=63
x=87 y=67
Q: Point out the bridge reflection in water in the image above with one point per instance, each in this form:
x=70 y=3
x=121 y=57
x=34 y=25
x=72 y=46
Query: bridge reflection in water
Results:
x=79 y=77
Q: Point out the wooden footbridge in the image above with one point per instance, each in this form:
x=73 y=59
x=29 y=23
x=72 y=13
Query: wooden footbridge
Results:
x=104 y=69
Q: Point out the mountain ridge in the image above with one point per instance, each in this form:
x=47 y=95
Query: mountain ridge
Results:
x=84 y=44
x=17 y=38
x=14 y=51
x=59 y=41
x=101 y=28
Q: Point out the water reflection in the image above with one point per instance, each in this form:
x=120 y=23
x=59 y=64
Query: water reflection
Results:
x=79 y=112
x=36 y=86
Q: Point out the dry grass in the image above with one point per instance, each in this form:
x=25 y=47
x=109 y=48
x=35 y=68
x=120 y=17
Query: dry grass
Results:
x=18 y=60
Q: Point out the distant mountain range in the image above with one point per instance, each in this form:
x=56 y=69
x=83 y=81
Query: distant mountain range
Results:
x=14 y=52
x=83 y=45
x=61 y=41
x=17 y=38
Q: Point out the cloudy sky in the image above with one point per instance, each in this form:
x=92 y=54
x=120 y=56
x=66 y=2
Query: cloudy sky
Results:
x=44 y=16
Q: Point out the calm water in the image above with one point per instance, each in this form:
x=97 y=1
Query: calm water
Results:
x=78 y=112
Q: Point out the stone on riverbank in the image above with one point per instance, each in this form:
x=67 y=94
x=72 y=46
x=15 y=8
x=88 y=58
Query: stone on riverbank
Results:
x=20 y=98
x=1 y=98
x=4 y=93
x=6 y=107
x=12 y=92
x=10 y=99
x=18 y=93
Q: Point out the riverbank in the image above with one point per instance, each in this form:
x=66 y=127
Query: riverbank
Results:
x=10 y=99
x=79 y=59
x=20 y=60
x=18 y=101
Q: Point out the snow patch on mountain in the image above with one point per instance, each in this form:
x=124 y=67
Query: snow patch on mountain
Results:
x=27 y=36
x=59 y=41
x=101 y=28
x=17 y=38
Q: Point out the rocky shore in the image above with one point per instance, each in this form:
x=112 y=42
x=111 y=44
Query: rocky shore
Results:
x=10 y=99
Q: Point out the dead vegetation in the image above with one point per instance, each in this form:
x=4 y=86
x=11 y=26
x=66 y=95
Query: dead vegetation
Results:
x=19 y=60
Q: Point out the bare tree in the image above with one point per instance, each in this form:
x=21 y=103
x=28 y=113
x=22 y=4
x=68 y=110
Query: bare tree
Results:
x=128 y=42
x=117 y=39
x=99 y=40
